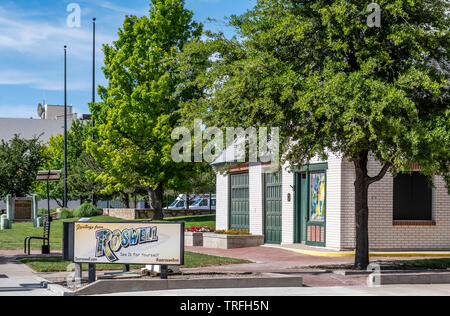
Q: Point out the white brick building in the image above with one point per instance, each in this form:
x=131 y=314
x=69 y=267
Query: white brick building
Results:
x=281 y=207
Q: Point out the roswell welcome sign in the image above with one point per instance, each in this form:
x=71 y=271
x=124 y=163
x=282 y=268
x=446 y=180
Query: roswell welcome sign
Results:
x=124 y=243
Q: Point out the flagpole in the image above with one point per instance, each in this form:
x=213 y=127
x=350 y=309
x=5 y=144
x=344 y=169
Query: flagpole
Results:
x=65 y=126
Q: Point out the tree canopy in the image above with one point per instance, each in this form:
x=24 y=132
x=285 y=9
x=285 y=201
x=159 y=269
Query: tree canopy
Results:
x=80 y=163
x=20 y=160
x=135 y=119
x=334 y=84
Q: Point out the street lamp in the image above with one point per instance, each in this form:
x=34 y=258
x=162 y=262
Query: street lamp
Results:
x=93 y=90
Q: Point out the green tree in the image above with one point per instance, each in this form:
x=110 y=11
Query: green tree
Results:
x=81 y=164
x=20 y=160
x=134 y=122
x=333 y=84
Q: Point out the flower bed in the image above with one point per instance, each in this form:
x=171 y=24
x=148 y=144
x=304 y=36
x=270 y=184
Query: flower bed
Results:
x=193 y=236
x=193 y=229
x=233 y=232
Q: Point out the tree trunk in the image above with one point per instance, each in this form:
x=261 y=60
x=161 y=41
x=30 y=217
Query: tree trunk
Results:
x=362 y=183
x=60 y=204
x=94 y=199
x=210 y=202
x=362 y=213
x=188 y=200
x=156 y=201
x=151 y=199
x=125 y=199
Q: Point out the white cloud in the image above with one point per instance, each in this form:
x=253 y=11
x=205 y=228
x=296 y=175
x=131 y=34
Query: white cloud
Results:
x=18 y=111
x=42 y=39
x=116 y=8
x=17 y=77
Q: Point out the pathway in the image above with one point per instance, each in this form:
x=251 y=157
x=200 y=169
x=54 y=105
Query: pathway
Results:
x=17 y=279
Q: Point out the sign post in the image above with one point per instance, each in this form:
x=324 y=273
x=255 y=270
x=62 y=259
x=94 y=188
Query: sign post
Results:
x=124 y=243
x=47 y=176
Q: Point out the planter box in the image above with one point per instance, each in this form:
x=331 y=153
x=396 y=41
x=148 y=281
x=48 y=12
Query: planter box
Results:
x=193 y=239
x=218 y=241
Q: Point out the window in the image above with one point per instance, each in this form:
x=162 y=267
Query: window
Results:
x=213 y=202
x=180 y=204
x=412 y=198
x=204 y=202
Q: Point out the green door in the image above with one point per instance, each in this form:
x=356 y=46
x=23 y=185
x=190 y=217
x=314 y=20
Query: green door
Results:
x=310 y=205
x=272 y=223
x=239 y=206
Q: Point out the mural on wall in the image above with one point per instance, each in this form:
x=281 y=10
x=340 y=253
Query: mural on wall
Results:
x=317 y=207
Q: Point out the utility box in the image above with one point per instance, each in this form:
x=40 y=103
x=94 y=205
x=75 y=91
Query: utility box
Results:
x=4 y=222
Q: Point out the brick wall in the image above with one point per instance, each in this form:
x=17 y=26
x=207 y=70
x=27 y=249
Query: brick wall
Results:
x=383 y=234
x=333 y=203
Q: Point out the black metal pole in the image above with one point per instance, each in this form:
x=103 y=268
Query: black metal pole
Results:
x=94 y=202
x=164 y=269
x=65 y=126
x=92 y=273
x=48 y=196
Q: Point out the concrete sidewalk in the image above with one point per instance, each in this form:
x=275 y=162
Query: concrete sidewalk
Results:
x=264 y=259
x=17 y=279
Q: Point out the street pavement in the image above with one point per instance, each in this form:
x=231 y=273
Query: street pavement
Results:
x=397 y=290
x=18 y=279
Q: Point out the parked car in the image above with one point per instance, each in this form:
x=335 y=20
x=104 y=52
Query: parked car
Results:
x=196 y=201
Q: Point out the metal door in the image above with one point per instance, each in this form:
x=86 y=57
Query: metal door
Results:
x=239 y=206
x=273 y=208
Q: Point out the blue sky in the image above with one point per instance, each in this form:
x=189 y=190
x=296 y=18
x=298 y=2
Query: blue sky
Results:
x=34 y=32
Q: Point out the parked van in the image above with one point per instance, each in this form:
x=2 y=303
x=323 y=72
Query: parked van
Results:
x=196 y=201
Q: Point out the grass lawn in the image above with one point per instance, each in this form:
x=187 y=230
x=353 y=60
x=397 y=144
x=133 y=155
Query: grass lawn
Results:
x=192 y=260
x=12 y=239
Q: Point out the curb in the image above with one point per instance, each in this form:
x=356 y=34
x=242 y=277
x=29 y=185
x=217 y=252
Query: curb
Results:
x=397 y=279
x=60 y=290
x=118 y=286
x=55 y=288
x=372 y=254
x=385 y=272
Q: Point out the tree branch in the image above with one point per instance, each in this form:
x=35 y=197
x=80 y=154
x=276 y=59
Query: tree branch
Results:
x=381 y=174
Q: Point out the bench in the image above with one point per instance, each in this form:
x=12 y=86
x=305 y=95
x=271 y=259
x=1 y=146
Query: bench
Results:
x=45 y=238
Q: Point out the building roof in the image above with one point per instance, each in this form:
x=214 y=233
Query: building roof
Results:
x=28 y=128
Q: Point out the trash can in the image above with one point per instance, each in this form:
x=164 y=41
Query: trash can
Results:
x=4 y=223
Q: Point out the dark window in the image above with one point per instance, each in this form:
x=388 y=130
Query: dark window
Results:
x=412 y=197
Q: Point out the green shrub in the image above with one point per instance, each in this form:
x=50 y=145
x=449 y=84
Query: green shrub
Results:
x=87 y=210
x=232 y=232
x=66 y=213
x=43 y=211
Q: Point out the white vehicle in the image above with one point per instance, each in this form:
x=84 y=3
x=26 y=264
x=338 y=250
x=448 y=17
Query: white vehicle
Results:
x=202 y=202
x=196 y=201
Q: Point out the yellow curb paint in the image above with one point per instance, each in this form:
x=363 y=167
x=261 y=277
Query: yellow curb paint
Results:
x=372 y=254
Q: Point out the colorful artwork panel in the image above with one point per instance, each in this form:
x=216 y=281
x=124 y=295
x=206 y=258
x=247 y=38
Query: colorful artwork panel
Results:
x=317 y=198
